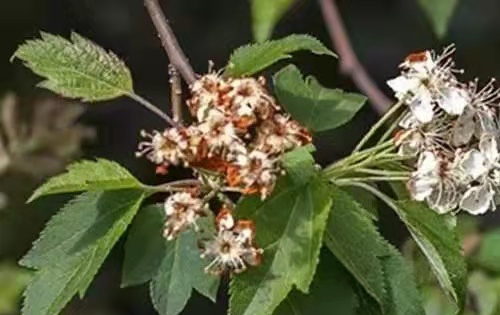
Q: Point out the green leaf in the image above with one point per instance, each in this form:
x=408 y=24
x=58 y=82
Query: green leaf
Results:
x=314 y=106
x=440 y=244
x=300 y=164
x=439 y=14
x=368 y=202
x=332 y=292
x=88 y=175
x=488 y=255
x=81 y=223
x=354 y=240
x=145 y=247
x=181 y=270
x=77 y=68
x=403 y=297
x=265 y=15
x=250 y=59
x=290 y=227
x=69 y=257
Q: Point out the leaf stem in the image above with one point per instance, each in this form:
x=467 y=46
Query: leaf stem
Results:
x=139 y=99
x=377 y=126
x=175 y=186
x=370 y=179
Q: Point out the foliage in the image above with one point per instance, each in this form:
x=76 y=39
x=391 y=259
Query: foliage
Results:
x=316 y=107
x=439 y=14
x=265 y=15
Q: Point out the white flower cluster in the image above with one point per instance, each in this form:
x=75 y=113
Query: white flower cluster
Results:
x=233 y=248
x=239 y=132
x=452 y=129
x=182 y=210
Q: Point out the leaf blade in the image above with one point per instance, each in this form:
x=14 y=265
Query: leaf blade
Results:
x=76 y=68
x=250 y=59
x=88 y=175
x=314 y=106
x=266 y=14
x=439 y=14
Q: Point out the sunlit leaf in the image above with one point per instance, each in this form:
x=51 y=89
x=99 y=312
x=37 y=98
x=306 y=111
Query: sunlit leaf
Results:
x=265 y=15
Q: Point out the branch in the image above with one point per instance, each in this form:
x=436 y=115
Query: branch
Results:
x=349 y=63
x=169 y=42
x=175 y=93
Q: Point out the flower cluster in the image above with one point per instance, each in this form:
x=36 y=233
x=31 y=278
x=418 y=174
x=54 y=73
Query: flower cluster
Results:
x=238 y=132
x=452 y=130
x=233 y=248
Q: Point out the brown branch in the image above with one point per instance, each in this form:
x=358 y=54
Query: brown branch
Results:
x=349 y=63
x=169 y=42
x=175 y=93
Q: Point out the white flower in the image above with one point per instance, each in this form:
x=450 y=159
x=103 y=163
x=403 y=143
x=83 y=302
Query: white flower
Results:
x=425 y=178
x=182 y=210
x=478 y=199
x=454 y=100
x=233 y=248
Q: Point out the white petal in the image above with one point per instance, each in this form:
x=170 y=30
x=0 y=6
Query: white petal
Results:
x=463 y=129
x=477 y=200
x=402 y=85
x=444 y=198
x=454 y=100
x=473 y=164
x=421 y=106
x=489 y=148
x=427 y=163
x=486 y=122
x=421 y=187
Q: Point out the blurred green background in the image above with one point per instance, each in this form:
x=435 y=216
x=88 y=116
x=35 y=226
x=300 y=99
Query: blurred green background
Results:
x=40 y=134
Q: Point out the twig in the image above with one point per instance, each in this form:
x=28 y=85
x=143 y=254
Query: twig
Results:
x=175 y=93
x=169 y=42
x=349 y=63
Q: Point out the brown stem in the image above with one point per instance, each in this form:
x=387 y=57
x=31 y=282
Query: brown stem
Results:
x=349 y=63
x=177 y=57
x=175 y=93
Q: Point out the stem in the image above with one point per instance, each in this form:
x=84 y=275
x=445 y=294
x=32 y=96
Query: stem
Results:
x=377 y=193
x=349 y=63
x=178 y=185
x=169 y=41
x=381 y=172
x=379 y=124
x=153 y=108
x=175 y=93
x=370 y=179
x=391 y=129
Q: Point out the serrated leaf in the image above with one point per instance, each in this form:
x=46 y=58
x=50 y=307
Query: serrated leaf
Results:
x=265 y=15
x=368 y=202
x=402 y=297
x=250 y=59
x=439 y=14
x=290 y=226
x=77 y=68
x=353 y=239
x=181 y=271
x=488 y=255
x=145 y=247
x=440 y=244
x=299 y=164
x=80 y=224
x=62 y=276
x=88 y=175
x=332 y=292
x=314 y=106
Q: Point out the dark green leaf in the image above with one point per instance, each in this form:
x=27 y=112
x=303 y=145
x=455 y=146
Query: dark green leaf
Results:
x=403 y=297
x=314 y=106
x=81 y=223
x=265 y=15
x=300 y=164
x=145 y=247
x=332 y=292
x=77 y=68
x=88 y=175
x=250 y=59
x=180 y=271
x=439 y=14
x=440 y=244
x=367 y=201
x=70 y=257
x=290 y=227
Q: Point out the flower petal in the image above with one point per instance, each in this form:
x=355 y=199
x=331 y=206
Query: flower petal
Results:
x=477 y=200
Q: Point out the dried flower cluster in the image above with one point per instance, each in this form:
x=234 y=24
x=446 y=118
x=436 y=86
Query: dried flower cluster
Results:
x=239 y=135
x=452 y=130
